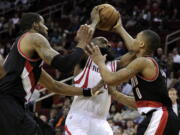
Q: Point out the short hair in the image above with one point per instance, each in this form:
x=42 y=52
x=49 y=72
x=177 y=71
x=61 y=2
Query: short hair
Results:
x=28 y=19
x=153 y=40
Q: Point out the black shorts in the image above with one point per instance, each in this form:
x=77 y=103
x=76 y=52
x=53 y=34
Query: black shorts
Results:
x=161 y=122
x=14 y=120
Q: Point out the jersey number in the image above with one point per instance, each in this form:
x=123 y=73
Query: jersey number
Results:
x=134 y=82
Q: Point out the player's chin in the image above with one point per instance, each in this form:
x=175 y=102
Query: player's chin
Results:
x=44 y=33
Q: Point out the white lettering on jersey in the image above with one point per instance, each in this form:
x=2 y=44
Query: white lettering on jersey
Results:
x=134 y=82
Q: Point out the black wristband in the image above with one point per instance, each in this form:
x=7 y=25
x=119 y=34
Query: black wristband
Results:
x=66 y=63
x=87 y=92
x=79 y=50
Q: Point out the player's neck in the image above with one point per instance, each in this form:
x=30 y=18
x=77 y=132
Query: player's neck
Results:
x=143 y=53
x=174 y=102
x=32 y=31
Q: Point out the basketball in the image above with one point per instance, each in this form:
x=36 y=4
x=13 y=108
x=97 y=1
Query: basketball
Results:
x=109 y=17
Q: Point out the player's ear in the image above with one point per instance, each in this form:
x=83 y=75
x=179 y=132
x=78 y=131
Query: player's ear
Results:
x=141 y=44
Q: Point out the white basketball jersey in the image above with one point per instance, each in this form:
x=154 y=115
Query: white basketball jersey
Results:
x=98 y=105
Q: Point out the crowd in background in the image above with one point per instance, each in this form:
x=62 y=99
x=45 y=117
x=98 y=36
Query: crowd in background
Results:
x=160 y=15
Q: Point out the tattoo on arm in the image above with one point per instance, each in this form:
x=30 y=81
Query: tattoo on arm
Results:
x=43 y=48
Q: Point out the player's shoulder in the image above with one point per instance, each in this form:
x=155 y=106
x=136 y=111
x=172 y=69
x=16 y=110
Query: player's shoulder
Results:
x=141 y=60
x=146 y=62
x=34 y=37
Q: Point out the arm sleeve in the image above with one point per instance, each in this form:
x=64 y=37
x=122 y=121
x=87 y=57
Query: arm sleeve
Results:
x=66 y=63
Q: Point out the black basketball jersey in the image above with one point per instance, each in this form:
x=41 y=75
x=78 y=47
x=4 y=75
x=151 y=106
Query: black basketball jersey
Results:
x=22 y=75
x=151 y=93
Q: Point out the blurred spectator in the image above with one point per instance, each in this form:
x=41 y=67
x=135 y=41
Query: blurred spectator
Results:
x=159 y=53
x=118 y=131
x=170 y=65
x=159 y=15
x=2 y=22
x=146 y=14
x=175 y=14
x=15 y=19
x=20 y=1
x=51 y=121
x=173 y=96
x=130 y=130
x=42 y=122
x=4 y=4
x=176 y=62
x=118 y=49
x=175 y=106
x=176 y=56
x=43 y=118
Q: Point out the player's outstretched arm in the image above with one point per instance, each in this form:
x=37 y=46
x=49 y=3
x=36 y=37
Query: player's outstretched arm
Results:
x=115 y=78
x=122 y=98
x=122 y=75
x=63 y=89
x=128 y=39
x=64 y=63
x=118 y=28
x=95 y=17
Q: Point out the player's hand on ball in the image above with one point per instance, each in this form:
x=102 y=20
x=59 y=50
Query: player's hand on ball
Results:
x=118 y=25
x=95 y=16
x=95 y=53
x=104 y=17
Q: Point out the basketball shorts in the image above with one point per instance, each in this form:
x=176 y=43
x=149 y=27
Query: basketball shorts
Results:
x=78 y=124
x=159 y=122
x=14 y=120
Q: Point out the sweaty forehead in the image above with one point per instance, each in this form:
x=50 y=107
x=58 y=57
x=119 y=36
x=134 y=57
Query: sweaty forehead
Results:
x=100 y=41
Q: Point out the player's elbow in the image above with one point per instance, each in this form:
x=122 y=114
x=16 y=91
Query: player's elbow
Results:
x=52 y=86
x=58 y=88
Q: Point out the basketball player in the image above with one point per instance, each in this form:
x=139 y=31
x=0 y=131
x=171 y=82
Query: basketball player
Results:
x=23 y=72
x=93 y=109
x=149 y=86
x=87 y=116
